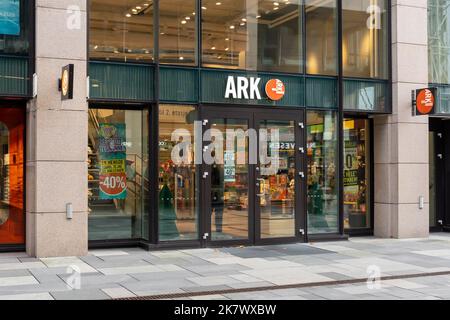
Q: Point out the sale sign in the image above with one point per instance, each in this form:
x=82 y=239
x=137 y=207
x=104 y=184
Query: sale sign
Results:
x=112 y=147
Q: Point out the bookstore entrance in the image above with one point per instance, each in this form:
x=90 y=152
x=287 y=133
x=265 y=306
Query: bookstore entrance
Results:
x=253 y=176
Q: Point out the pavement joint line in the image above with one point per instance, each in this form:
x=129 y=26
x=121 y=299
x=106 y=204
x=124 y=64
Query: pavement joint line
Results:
x=282 y=287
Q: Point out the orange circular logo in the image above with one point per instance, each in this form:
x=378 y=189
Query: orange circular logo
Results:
x=425 y=101
x=275 y=89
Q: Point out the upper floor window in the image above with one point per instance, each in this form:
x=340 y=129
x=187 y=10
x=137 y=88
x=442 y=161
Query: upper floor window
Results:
x=177 y=32
x=439 y=41
x=365 y=38
x=14 y=27
x=121 y=30
x=260 y=35
x=321 y=37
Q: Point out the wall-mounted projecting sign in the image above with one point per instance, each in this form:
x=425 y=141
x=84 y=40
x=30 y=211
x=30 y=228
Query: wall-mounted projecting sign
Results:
x=424 y=101
x=66 y=82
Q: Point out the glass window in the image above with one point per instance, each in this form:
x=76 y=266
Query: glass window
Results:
x=260 y=35
x=321 y=37
x=439 y=41
x=177 y=32
x=323 y=175
x=14 y=27
x=118 y=174
x=230 y=181
x=365 y=38
x=121 y=30
x=357 y=174
x=178 y=178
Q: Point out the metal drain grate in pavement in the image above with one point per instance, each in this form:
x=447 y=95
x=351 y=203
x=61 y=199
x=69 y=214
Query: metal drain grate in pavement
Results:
x=291 y=286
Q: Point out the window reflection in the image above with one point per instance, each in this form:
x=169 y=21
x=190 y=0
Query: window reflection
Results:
x=321 y=37
x=365 y=47
x=252 y=34
x=178 y=185
x=121 y=30
x=356 y=174
x=118 y=174
x=323 y=184
x=177 y=32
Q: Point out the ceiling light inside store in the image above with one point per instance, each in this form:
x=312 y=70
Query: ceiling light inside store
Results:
x=232 y=27
x=183 y=21
x=203 y=8
x=218 y=3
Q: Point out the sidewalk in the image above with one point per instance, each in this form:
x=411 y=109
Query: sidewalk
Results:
x=128 y=273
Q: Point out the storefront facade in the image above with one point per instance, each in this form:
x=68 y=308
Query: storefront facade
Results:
x=184 y=62
x=159 y=87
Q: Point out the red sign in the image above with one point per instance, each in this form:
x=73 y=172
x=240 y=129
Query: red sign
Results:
x=425 y=101
x=275 y=89
x=113 y=184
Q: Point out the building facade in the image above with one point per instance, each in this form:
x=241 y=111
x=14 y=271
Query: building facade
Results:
x=115 y=151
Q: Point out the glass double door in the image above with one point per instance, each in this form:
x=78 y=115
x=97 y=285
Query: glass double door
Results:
x=253 y=177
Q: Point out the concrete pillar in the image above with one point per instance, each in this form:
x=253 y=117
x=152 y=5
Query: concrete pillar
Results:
x=57 y=135
x=401 y=140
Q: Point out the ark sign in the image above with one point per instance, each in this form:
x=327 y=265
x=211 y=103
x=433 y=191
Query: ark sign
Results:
x=249 y=88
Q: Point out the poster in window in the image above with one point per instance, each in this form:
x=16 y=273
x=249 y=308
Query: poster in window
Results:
x=113 y=162
x=10 y=17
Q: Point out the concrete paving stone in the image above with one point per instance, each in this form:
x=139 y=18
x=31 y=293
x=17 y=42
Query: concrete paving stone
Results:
x=69 y=262
x=287 y=292
x=259 y=295
x=404 y=284
x=155 y=286
x=106 y=253
x=34 y=288
x=205 y=288
x=335 y=276
x=286 y=276
x=207 y=270
x=28 y=259
x=213 y=280
x=48 y=278
x=9 y=260
x=118 y=293
x=149 y=292
x=244 y=278
x=14 y=273
x=21 y=266
x=129 y=270
x=89 y=294
x=96 y=279
x=210 y=298
x=27 y=296
x=403 y=293
x=13 y=255
x=246 y=285
x=164 y=275
x=258 y=263
x=17 y=281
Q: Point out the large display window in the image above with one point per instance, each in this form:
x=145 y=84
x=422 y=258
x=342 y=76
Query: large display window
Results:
x=118 y=174
x=121 y=30
x=177 y=174
x=357 y=173
x=365 y=38
x=321 y=37
x=323 y=172
x=177 y=32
